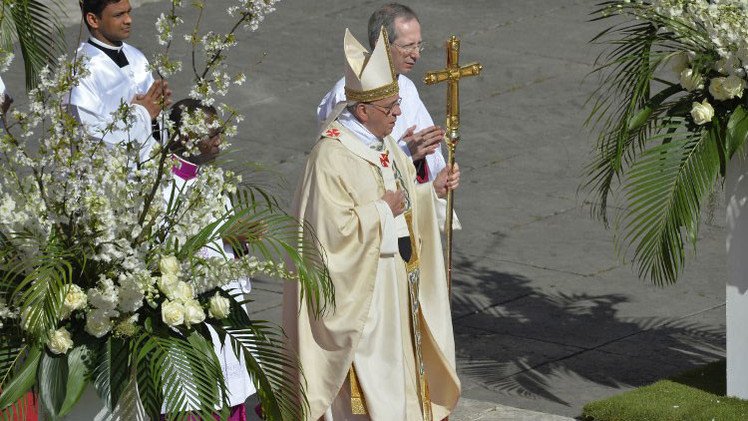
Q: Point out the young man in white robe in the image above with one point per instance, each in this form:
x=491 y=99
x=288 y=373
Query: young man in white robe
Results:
x=414 y=130
x=386 y=351
x=118 y=74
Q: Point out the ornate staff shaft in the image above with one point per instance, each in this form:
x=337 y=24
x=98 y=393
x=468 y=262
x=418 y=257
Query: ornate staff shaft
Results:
x=452 y=75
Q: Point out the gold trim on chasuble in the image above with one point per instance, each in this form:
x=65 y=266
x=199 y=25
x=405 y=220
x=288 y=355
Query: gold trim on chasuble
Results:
x=413 y=271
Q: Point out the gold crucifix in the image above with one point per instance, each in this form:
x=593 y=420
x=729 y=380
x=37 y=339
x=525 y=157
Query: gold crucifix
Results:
x=452 y=75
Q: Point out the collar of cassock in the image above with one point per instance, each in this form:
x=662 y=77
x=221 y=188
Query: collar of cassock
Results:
x=114 y=52
x=184 y=169
x=362 y=133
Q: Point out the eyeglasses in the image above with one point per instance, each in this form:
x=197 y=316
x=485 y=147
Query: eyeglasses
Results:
x=410 y=48
x=387 y=110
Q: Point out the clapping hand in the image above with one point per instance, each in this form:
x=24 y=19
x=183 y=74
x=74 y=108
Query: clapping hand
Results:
x=157 y=98
x=424 y=142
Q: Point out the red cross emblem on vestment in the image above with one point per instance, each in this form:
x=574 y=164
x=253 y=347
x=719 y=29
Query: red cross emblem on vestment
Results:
x=384 y=159
x=332 y=133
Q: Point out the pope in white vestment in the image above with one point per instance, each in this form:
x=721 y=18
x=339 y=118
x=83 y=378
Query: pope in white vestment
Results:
x=386 y=351
x=107 y=86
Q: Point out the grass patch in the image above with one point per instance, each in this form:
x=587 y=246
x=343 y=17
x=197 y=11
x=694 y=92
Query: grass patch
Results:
x=694 y=395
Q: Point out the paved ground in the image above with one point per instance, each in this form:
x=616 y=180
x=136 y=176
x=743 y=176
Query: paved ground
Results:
x=546 y=317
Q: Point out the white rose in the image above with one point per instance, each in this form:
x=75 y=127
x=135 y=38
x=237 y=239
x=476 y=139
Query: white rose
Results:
x=734 y=86
x=75 y=299
x=193 y=313
x=169 y=265
x=691 y=80
x=219 y=306
x=182 y=292
x=717 y=90
x=59 y=341
x=702 y=113
x=167 y=284
x=724 y=88
x=99 y=322
x=172 y=313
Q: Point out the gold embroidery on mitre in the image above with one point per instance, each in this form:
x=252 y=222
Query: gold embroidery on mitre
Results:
x=373 y=94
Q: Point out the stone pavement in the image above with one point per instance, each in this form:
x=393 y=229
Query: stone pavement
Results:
x=546 y=316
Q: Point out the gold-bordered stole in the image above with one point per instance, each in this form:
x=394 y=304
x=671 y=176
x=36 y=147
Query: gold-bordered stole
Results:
x=358 y=401
x=412 y=267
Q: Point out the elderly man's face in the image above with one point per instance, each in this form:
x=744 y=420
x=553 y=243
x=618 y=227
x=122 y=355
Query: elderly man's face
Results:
x=381 y=115
x=407 y=44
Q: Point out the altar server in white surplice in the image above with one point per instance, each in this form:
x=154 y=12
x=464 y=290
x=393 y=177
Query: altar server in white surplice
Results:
x=118 y=74
x=386 y=351
x=414 y=130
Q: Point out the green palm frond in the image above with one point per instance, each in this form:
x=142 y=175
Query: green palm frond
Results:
x=54 y=370
x=273 y=235
x=34 y=25
x=623 y=110
x=190 y=376
x=149 y=381
x=110 y=369
x=665 y=191
x=18 y=369
x=274 y=371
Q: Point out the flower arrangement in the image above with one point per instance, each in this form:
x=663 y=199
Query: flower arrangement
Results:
x=104 y=275
x=671 y=113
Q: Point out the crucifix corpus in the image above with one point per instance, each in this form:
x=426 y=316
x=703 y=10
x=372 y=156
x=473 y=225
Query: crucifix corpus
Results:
x=452 y=75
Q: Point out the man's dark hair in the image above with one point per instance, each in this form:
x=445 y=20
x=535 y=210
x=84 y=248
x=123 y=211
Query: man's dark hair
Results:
x=95 y=7
x=386 y=16
x=187 y=105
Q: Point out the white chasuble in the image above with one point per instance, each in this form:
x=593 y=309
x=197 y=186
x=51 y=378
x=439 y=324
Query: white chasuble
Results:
x=339 y=196
x=105 y=89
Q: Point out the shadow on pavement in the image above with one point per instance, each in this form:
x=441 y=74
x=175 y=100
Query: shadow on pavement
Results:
x=539 y=346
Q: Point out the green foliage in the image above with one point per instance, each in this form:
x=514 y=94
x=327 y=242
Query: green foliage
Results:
x=33 y=24
x=19 y=369
x=648 y=143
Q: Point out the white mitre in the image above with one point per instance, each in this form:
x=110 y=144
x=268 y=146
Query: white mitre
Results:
x=368 y=77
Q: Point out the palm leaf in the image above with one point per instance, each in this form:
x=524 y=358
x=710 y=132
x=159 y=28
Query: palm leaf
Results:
x=19 y=368
x=280 y=239
x=41 y=293
x=270 y=233
x=191 y=379
x=34 y=25
x=665 y=191
x=623 y=97
x=77 y=377
x=111 y=367
x=54 y=370
x=272 y=369
x=149 y=383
